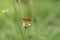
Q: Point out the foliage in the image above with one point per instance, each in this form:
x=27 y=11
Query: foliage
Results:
x=45 y=16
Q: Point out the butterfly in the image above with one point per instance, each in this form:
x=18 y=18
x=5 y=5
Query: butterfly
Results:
x=26 y=22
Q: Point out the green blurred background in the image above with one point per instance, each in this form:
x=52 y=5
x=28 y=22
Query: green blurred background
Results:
x=45 y=16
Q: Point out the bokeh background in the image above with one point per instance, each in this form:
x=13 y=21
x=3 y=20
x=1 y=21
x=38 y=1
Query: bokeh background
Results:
x=44 y=14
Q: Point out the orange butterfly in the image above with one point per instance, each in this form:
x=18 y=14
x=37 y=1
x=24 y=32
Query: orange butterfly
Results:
x=26 y=22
